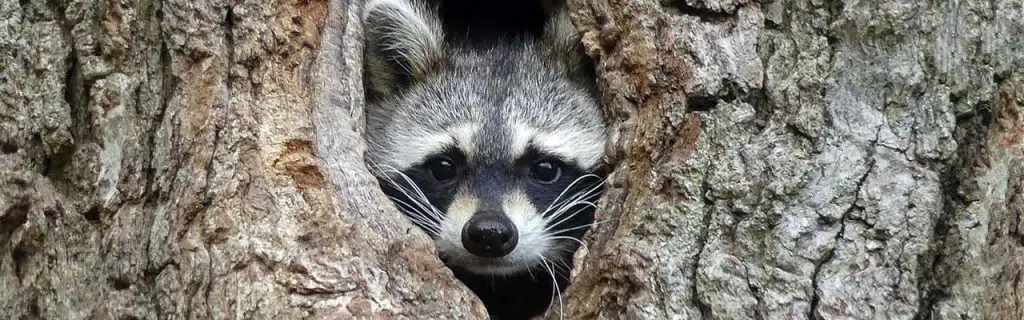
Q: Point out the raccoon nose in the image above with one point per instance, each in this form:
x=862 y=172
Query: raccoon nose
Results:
x=489 y=235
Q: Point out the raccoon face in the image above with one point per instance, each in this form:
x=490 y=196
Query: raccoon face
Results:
x=497 y=216
x=494 y=151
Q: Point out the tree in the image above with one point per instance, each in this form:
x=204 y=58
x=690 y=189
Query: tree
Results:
x=173 y=159
x=180 y=159
x=808 y=159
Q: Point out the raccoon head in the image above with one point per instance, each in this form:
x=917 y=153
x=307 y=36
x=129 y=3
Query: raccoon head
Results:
x=493 y=149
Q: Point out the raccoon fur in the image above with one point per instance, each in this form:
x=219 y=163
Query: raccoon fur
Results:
x=492 y=146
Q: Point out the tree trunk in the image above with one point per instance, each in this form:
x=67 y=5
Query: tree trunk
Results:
x=786 y=159
x=178 y=159
x=808 y=159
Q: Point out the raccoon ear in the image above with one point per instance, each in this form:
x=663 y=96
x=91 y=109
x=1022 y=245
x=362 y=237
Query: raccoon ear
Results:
x=562 y=45
x=403 y=42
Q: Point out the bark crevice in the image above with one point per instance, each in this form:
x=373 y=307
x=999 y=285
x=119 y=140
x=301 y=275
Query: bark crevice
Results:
x=705 y=310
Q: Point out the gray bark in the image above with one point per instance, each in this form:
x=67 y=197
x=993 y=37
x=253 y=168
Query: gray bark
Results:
x=808 y=159
x=782 y=159
x=179 y=159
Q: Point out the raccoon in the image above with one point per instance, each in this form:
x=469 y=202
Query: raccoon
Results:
x=493 y=147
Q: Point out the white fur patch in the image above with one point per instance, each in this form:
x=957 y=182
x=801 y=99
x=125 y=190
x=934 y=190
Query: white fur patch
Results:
x=532 y=243
x=584 y=147
x=413 y=147
x=521 y=136
x=418 y=147
x=463 y=135
x=449 y=241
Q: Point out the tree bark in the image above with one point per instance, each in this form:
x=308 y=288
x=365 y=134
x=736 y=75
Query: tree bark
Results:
x=779 y=159
x=807 y=159
x=179 y=159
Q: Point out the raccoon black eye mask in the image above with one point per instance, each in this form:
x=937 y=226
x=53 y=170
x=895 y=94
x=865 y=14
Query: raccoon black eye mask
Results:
x=493 y=148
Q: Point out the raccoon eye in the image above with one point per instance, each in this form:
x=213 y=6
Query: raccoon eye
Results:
x=546 y=171
x=443 y=168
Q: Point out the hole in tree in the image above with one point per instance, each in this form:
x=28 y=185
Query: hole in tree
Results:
x=701 y=104
x=14 y=217
x=119 y=283
x=20 y=257
x=33 y=309
x=93 y=214
x=8 y=148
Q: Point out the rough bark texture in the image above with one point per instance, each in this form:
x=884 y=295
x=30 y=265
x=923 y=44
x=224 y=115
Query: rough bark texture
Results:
x=784 y=159
x=808 y=159
x=177 y=159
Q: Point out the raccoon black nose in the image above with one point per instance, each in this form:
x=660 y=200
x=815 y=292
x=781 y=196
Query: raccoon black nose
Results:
x=489 y=235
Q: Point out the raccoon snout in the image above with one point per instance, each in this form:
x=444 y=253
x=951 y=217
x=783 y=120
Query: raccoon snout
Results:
x=489 y=235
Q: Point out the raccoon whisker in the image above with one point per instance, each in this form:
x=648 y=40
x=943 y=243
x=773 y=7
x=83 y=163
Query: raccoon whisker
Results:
x=584 y=245
x=422 y=213
x=528 y=270
x=419 y=198
x=409 y=206
x=410 y=182
x=559 y=266
x=417 y=202
x=593 y=190
x=570 y=202
x=574 y=182
x=577 y=196
x=566 y=250
x=387 y=169
x=581 y=195
x=580 y=199
x=565 y=217
x=564 y=266
x=421 y=207
x=549 y=225
x=561 y=231
x=420 y=220
x=371 y=164
x=554 y=202
x=427 y=229
x=554 y=285
x=381 y=171
x=415 y=217
x=557 y=261
x=592 y=187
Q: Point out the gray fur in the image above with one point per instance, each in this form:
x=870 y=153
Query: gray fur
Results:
x=507 y=109
x=493 y=102
x=403 y=39
x=539 y=84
